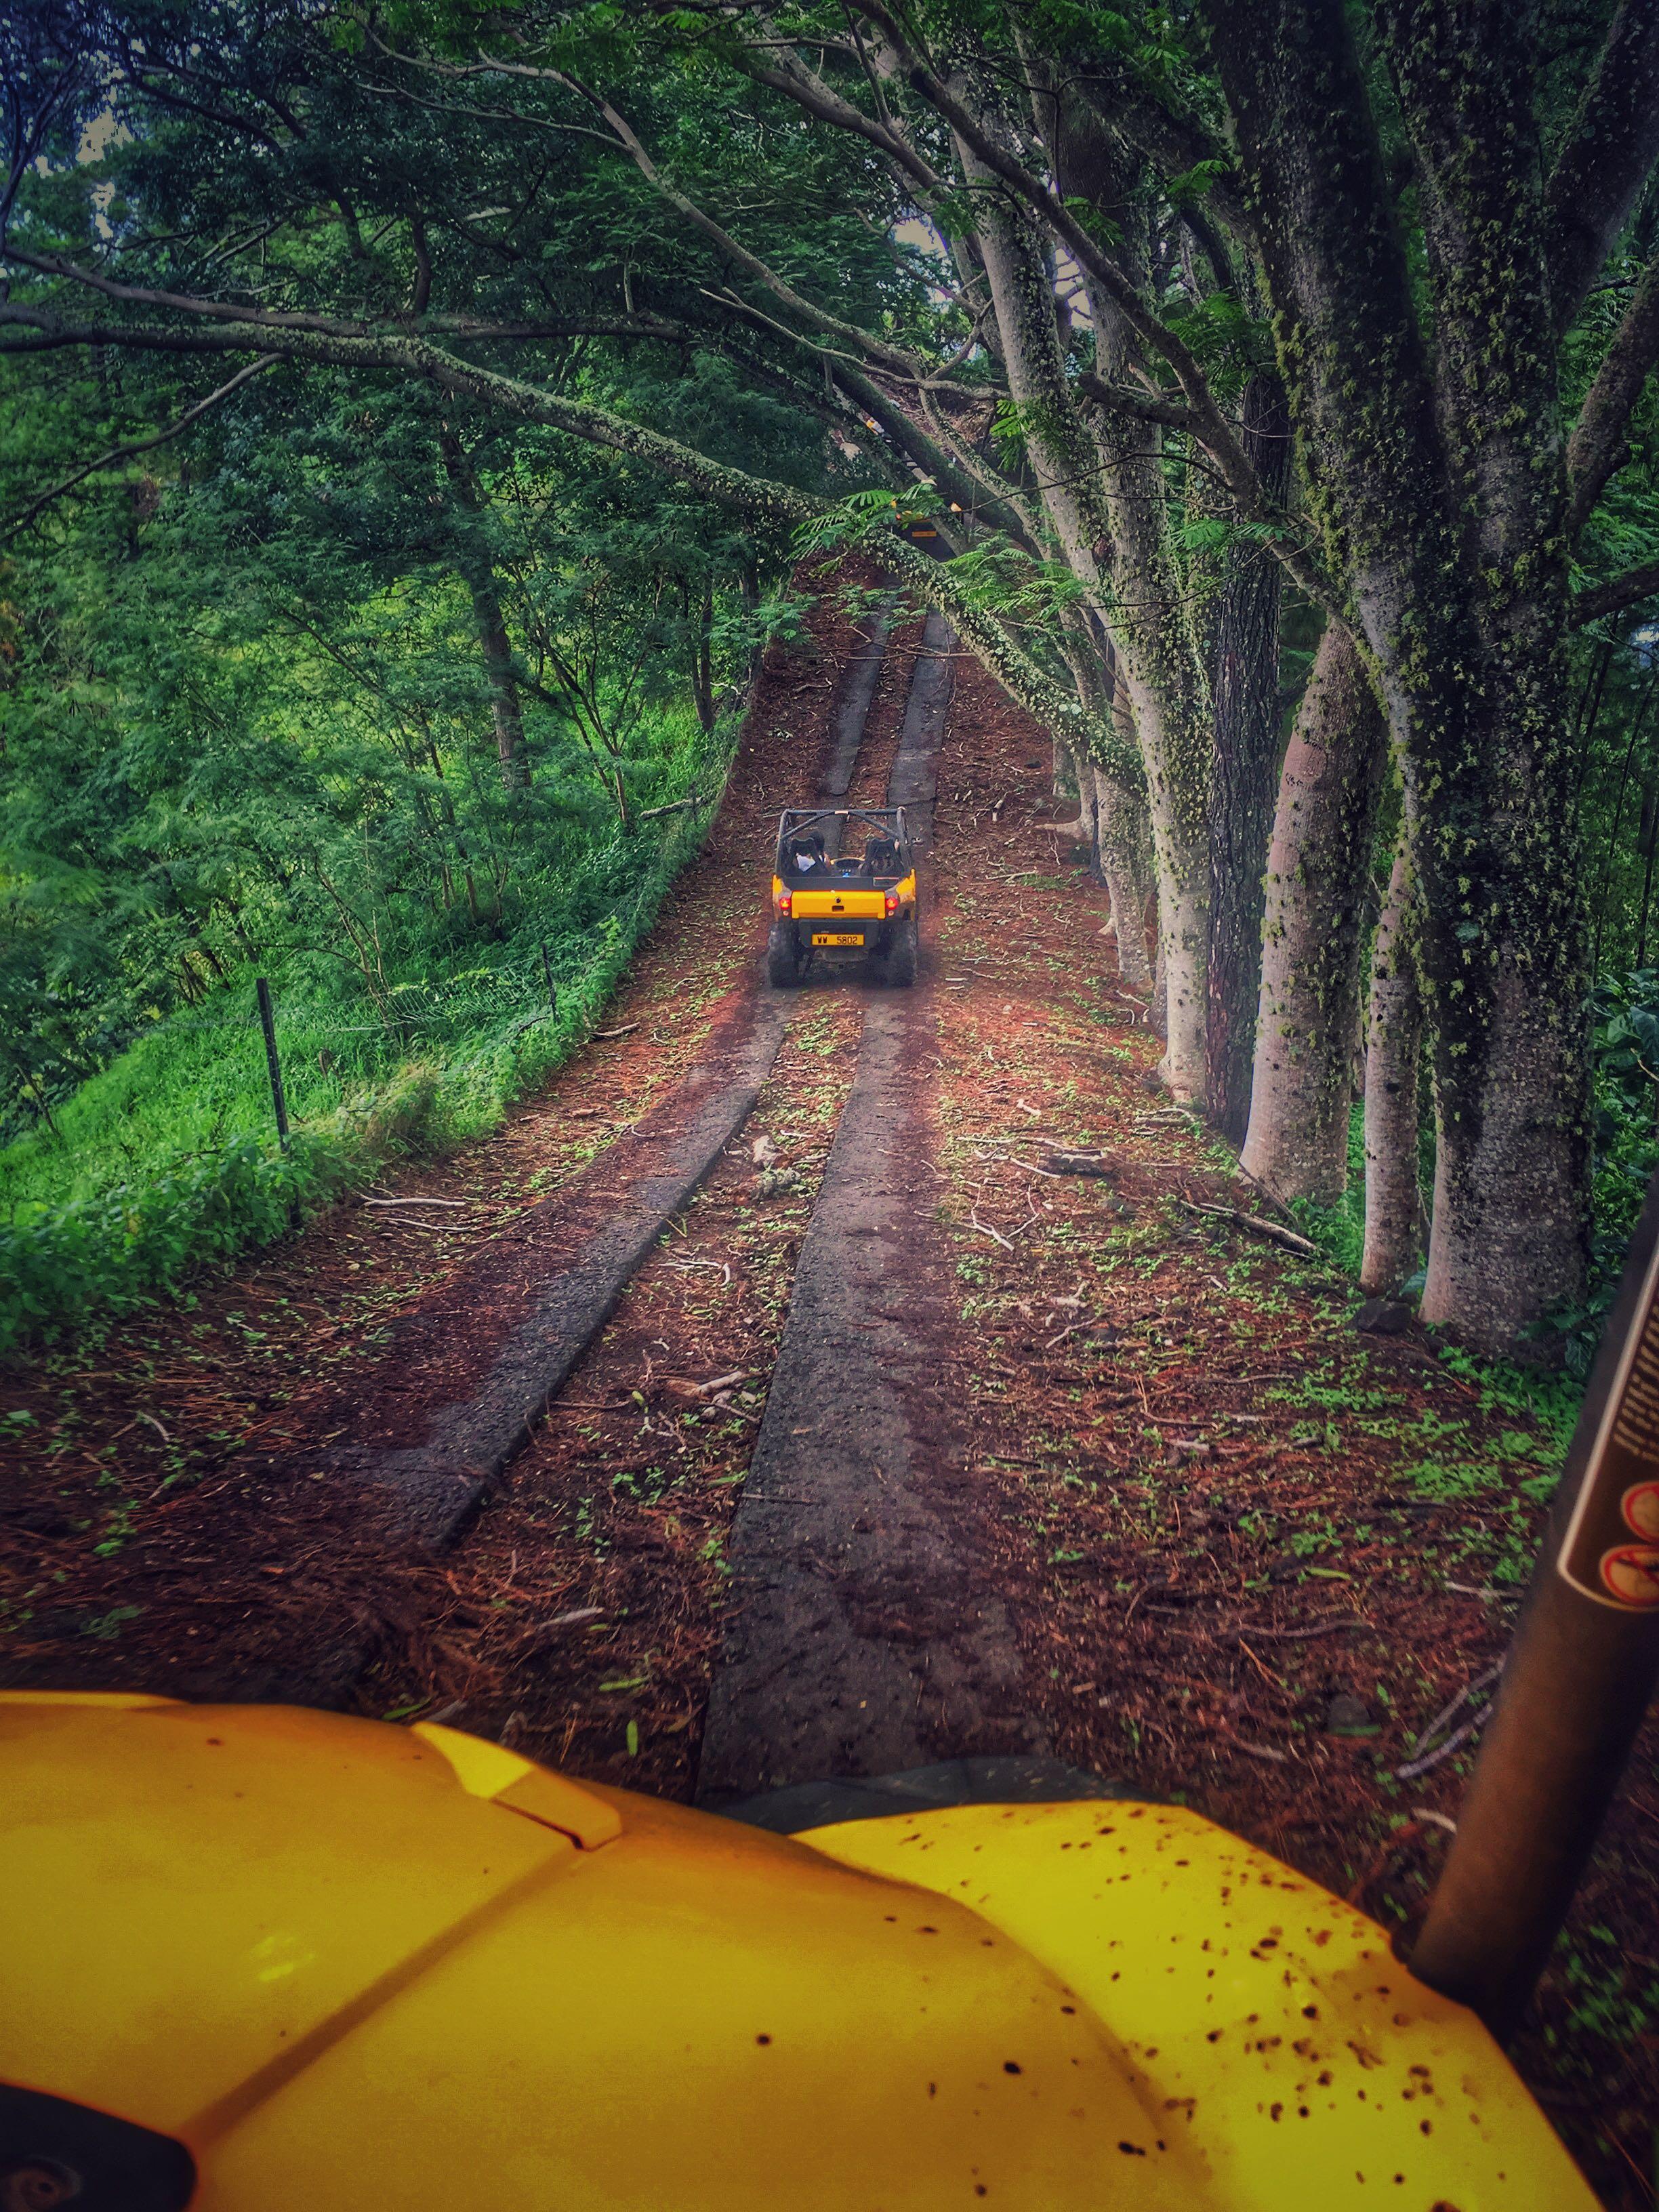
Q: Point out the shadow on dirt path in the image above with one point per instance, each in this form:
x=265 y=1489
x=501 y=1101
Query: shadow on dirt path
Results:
x=867 y=1636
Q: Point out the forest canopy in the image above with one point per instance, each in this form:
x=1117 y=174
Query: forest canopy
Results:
x=413 y=415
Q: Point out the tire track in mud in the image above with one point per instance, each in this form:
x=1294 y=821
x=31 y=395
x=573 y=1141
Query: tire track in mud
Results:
x=440 y=1481
x=858 y=688
x=866 y=1635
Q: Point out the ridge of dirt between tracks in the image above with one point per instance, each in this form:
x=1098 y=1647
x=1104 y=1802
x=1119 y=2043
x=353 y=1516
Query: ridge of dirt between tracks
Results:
x=870 y=1635
x=867 y=1635
x=605 y=1231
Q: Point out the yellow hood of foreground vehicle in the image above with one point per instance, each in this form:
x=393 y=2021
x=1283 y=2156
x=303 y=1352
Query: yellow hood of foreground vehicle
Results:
x=345 y=1964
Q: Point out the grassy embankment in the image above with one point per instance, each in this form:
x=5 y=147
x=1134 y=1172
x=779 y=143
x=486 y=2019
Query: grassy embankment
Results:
x=168 y=1160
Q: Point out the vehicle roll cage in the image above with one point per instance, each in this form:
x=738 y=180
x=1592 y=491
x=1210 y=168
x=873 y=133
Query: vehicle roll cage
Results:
x=830 y=823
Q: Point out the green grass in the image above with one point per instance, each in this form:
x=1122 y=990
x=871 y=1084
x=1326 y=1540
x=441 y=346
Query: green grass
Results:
x=168 y=1160
x=1340 y=1230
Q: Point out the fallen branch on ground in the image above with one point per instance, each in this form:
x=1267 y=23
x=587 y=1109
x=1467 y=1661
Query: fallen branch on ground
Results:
x=1008 y=1160
x=1258 y=1751
x=1243 y=1628
x=996 y=1234
x=420 y=1201
x=1418 y=1763
x=726 y=1382
x=1290 y=1238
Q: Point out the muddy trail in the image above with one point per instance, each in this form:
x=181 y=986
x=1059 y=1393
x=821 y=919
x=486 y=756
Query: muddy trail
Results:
x=842 y=1380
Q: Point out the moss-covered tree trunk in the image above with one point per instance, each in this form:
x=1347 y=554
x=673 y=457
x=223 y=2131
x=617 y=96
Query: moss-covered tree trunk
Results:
x=1105 y=499
x=1244 y=762
x=1436 y=474
x=1394 y=1203
x=1296 y=1143
x=1120 y=834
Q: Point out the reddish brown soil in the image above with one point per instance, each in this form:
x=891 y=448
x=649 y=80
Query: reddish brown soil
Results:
x=1210 y=1507
x=619 y=1511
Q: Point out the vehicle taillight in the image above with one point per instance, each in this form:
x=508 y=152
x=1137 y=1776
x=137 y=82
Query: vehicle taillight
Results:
x=784 y=899
x=892 y=903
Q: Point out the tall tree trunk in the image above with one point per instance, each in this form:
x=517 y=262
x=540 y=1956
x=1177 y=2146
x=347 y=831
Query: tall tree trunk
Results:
x=1297 y=1146
x=703 y=660
x=1124 y=838
x=1112 y=820
x=506 y=709
x=1244 y=769
x=1105 y=499
x=1393 y=1204
x=477 y=573
x=1086 y=828
x=1120 y=832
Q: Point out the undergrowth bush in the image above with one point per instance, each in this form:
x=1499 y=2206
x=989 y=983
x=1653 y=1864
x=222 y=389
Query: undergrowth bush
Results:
x=1625 y=1076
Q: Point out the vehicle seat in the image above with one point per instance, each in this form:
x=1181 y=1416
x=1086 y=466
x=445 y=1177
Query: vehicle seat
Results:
x=881 y=856
x=805 y=856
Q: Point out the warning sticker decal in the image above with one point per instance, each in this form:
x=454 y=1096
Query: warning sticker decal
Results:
x=1610 y=1549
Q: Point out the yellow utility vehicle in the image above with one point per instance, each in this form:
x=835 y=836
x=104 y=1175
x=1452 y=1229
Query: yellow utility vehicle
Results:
x=258 y=1959
x=832 y=905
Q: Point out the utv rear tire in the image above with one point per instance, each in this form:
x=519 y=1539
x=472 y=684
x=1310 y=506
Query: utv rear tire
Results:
x=901 y=967
x=782 y=957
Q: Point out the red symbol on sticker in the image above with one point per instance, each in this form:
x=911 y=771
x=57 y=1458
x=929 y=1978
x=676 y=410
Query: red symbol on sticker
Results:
x=1640 y=1507
x=1632 y=1574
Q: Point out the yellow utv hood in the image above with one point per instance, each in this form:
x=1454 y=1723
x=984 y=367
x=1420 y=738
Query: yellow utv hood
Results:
x=345 y=1964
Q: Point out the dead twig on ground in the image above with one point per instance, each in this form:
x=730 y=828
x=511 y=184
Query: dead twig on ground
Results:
x=1290 y=1238
x=1030 y=1166
x=1418 y=1763
x=1258 y=1751
x=995 y=1235
x=421 y=1201
x=1264 y=1632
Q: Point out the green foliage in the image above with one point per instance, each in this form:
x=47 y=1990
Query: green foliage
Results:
x=1340 y=1230
x=164 y=1162
x=360 y=688
x=1625 y=1066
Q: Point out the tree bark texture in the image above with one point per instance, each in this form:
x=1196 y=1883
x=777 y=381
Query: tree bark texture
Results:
x=1296 y=1145
x=1121 y=837
x=477 y=573
x=702 y=659
x=1436 y=479
x=1104 y=498
x=1244 y=762
x=1394 y=1203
